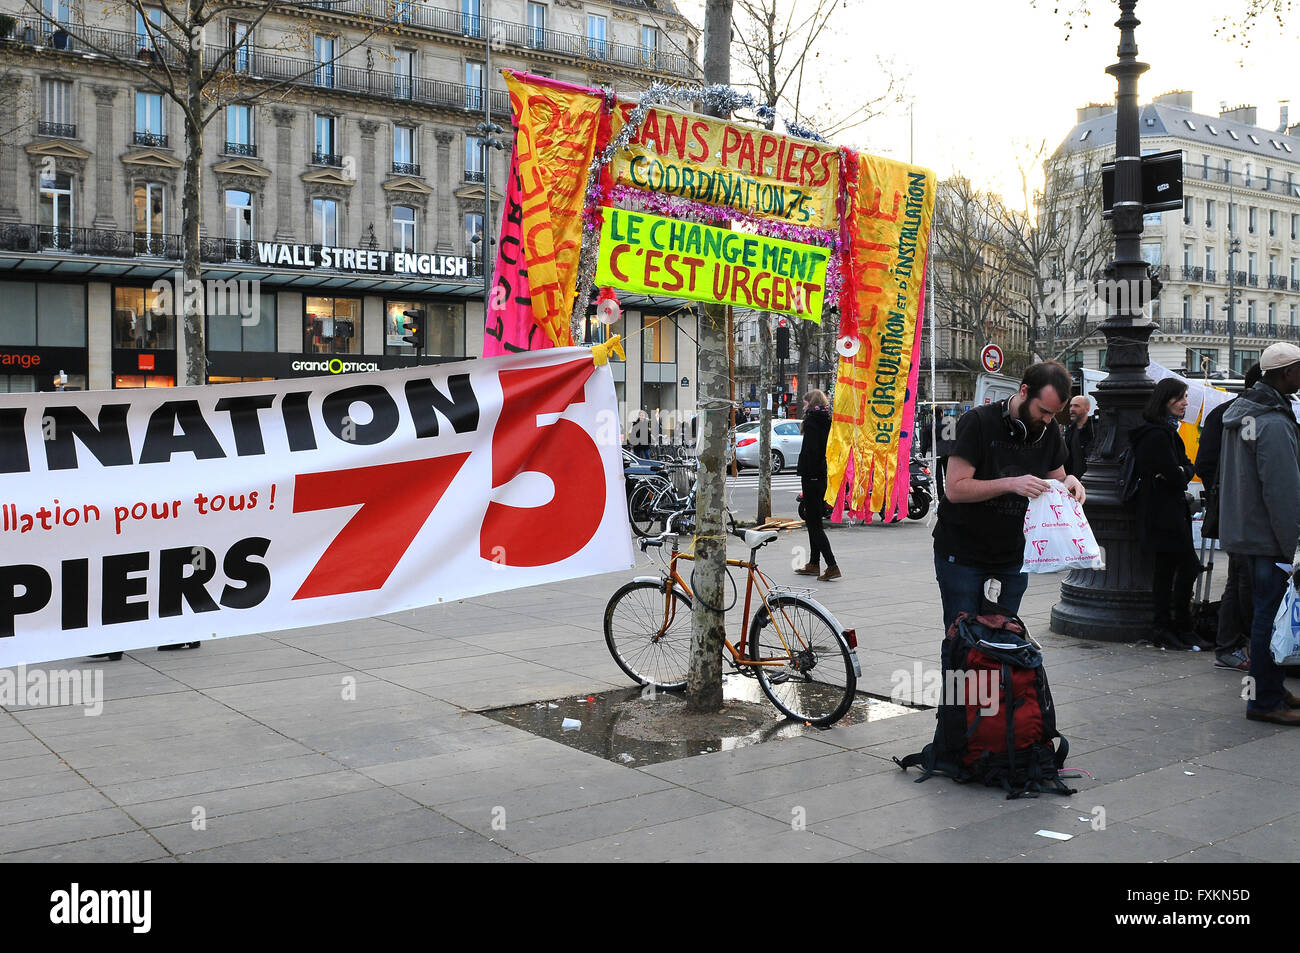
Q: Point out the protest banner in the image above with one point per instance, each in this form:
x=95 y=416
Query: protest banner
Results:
x=557 y=127
x=752 y=171
x=132 y=519
x=885 y=239
x=662 y=256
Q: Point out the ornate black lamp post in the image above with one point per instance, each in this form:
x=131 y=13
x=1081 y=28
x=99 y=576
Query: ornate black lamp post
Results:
x=1114 y=604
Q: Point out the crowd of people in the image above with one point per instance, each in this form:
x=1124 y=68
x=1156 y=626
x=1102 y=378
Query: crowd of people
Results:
x=1248 y=460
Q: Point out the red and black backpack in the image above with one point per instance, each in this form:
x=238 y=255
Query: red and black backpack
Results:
x=1005 y=735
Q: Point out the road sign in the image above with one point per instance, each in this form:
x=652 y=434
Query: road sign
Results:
x=1162 y=183
x=991 y=358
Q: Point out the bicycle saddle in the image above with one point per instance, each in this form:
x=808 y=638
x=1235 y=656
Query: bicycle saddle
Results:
x=755 y=539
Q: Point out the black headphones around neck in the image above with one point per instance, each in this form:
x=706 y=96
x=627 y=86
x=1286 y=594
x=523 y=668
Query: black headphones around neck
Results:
x=1016 y=427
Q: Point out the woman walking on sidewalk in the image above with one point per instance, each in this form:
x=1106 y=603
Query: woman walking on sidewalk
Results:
x=812 y=473
x=1161 y=463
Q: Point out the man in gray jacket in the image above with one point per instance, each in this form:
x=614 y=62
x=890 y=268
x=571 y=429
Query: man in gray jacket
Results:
x=1259 y=513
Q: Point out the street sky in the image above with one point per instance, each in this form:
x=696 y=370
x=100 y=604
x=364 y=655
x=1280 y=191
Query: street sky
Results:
x=985 y=77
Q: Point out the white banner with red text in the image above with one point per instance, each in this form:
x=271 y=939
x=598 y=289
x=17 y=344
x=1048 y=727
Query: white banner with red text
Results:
x=130 y=519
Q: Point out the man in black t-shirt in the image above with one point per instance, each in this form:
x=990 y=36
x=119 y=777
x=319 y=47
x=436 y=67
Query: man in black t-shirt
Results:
x=1001 y=459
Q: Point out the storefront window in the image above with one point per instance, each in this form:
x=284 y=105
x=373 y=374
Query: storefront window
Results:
x=661 y=339
x=445 y=324
x=139 y=322
x=251 y=329
x=129 y=381
x=333 y=326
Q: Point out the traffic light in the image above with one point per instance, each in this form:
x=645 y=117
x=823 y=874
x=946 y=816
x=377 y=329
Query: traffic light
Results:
x=782 y=341
x=413 y=324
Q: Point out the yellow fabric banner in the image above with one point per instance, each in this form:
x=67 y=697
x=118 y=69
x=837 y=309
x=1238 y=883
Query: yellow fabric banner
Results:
x=885 y=233
x=750 y=170
x=554 y=143
x=663 y=256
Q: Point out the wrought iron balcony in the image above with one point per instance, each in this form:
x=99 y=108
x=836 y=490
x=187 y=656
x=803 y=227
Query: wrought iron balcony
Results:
x=62 y=130
x=150 y=139
x=1210 y=275
x=473 y=175
x=326 y=158
x=1252 y=281
x=406 y=168
x=1193 y=272
x=1277 y=281
x=241 y=149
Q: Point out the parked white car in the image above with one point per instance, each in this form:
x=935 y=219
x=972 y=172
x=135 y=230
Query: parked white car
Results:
x=787 y=441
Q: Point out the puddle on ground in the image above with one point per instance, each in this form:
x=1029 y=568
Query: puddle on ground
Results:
x=631 y=725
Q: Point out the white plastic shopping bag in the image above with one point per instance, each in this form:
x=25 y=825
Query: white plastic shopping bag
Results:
x=1285 y=644
x=1057 y=534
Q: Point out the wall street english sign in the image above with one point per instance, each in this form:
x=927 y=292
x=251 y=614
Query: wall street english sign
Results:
x=361 y=260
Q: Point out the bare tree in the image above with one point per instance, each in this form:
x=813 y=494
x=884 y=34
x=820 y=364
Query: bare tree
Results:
x=708 y=618
x=174 y=55
x=1060 y=241
x=973 y=278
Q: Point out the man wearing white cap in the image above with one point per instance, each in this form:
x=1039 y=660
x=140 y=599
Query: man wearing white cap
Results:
x=1259 y=513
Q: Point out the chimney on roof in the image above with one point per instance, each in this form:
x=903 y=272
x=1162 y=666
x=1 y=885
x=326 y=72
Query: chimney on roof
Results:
x=1283 y=115
x=1242 y=114
x=1095 y=111
x=1178 y=97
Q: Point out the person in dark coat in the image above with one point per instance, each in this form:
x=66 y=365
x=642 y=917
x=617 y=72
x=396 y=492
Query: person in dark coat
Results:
x=1238 y=605
x=812 y=473
x=1079 y=436
x=1164 y=518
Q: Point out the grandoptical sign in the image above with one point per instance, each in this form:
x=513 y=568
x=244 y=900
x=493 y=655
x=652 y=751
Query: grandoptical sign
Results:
x=361 y=260
x=140 y=518
x=664 y=256
x=750 y=170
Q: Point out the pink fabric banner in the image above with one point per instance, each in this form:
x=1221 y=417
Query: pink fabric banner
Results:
x=510 y=326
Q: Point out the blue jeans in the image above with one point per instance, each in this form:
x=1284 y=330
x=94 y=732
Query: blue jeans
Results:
x=962 y=587
x=1270 y=586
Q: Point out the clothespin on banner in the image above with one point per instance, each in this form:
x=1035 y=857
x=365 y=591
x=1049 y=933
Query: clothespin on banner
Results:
x=600 y=353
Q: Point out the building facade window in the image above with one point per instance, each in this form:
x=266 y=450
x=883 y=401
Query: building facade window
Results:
x=405 y=161
x=473 y=159
x=1209 y=213
x=239 y=131
x=241 y=46
x=56 y=210
x=1272 y=317
x=470 y=20
x=474 y=228
x=1209 y=311
x=1252 y=220
x=1251 y=258
x=1272 y=223
x=326 y=141
x=149 y=129
x=149 y=28
x=333 y=326
x=661 y=339
x=325 y=48
x=1250 y=317
x=537 y=25
x=56 y=109
x=403 y=228
x=1187 y=209
x=596 y=36
x=60 y=11
x=474 y=74
x=148 y=213
x=239 y=221
x=325 y=221
x=403 y=73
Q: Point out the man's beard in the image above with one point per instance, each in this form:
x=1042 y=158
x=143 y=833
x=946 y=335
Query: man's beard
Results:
x=1032 y=424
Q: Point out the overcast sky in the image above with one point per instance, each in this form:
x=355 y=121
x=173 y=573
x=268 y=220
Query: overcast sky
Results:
x=985 y=74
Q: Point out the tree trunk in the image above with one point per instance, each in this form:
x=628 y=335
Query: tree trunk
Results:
x=193 y=356
x=766 y=385
x=708 y=624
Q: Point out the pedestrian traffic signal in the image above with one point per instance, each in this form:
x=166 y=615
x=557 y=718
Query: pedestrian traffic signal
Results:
x=413 y=325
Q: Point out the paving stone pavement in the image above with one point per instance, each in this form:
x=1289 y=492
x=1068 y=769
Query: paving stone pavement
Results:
x=364 y=742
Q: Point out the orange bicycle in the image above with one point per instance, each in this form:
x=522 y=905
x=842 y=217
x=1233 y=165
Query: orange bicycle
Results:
x=805 y=663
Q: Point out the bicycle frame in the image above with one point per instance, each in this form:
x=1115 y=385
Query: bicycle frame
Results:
x=753 y=575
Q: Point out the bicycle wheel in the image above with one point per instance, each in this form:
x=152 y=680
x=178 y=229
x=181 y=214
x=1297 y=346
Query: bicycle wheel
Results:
x=816 y=682
x=649 y=634
x=641 y=512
